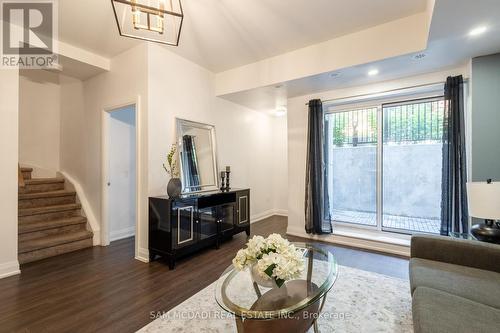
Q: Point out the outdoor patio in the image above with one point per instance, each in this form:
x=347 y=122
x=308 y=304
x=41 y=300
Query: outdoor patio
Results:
x=390 y=221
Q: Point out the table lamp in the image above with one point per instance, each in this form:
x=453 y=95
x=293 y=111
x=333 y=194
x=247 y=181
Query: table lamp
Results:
x=484 y=203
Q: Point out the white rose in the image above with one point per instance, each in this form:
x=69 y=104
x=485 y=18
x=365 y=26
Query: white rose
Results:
x=239 y=261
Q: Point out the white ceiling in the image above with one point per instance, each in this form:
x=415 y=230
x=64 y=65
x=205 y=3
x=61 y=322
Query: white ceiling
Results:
x=91 y=25
x=449 y=46
x=223 y=34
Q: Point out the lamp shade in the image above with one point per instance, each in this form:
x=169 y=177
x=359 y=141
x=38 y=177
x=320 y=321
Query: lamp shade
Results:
x=484 y=200
x=152 y=20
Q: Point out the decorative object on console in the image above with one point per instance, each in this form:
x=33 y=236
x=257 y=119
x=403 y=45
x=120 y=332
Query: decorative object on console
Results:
x=228 y=172
x=222 y=181
x=484 y=203
x=155 y=21
x=174 y=185
x=272 y=260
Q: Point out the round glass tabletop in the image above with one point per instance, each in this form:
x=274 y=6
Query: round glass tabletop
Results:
x=237 y=292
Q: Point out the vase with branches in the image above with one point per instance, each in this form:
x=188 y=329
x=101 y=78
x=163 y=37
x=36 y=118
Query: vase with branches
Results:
x=174 y=186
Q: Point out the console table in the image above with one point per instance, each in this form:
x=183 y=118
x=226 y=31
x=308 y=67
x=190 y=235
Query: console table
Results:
x=183 y=225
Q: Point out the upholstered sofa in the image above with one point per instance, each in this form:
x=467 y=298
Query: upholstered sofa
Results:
x=455 y=285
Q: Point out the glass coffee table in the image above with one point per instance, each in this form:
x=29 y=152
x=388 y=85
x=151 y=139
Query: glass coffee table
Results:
x=294 y=307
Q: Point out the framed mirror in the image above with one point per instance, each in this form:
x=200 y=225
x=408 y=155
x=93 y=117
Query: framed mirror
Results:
x=197 y=156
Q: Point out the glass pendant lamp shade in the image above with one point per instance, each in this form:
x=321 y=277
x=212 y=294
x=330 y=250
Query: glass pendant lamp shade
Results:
x=152 y=20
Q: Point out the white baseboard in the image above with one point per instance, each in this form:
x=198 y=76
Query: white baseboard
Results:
x=281 y=212
x=142 y=255
x=397 y=246
x=268 y=213
x=87 y=209
x=9 y=269
x=121 y=234
x=260 y=216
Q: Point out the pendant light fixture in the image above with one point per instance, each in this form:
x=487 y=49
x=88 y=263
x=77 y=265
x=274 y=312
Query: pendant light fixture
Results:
x=152 y=20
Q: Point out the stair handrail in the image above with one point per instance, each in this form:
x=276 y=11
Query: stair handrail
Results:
x=20 y=177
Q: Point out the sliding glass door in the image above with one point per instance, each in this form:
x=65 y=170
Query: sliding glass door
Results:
x=352 y=165
x=384 y=165
x=412 y=165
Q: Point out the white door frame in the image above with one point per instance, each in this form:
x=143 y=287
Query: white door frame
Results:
x=105 y=118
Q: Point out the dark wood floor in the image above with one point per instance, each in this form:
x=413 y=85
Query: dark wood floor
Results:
x=104 y=289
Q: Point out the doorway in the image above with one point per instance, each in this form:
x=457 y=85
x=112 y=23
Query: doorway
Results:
x=120 y=174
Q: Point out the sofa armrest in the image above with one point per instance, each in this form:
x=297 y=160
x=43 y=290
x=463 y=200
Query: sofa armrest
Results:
x=457 y=251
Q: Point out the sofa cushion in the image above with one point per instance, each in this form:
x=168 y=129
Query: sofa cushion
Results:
x=475 y=284
x=436 y=311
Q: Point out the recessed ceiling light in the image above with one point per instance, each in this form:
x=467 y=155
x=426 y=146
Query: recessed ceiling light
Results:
x=373 y=72
x=334 y=75
x=278 y=86
x=478 y=31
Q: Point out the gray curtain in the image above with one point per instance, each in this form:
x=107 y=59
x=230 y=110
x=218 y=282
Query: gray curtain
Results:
x=454 y=212
x=317 y=212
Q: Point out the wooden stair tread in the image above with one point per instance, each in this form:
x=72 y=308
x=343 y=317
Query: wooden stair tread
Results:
x=28 y=227
x=48 y=209
x=55 y=240
x=36 y=181
x=50 y=194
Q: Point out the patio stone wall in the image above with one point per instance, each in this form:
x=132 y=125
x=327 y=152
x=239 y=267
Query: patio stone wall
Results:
x=412 y=179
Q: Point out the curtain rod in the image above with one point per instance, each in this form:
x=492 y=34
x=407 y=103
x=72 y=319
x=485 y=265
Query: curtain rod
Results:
x=386 y=91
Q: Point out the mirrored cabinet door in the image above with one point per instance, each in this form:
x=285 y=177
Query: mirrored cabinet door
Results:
x=226 y=217
x=207 y=219
x=242 y=212
x=185 y=225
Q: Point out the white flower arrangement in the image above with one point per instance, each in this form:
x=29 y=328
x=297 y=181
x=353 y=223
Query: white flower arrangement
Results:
x=273 y=257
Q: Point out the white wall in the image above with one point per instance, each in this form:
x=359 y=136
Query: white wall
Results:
x=9 y=113
x=74 y=121
x=245 y=137
x=121 y=154
x=123 y=85
x=39 y=121
x=297 y=134
x=280 y=165
x=245 y=141
x=51 y=114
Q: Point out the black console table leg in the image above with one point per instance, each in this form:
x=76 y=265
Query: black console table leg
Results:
x=247 y=231
x=171 y=262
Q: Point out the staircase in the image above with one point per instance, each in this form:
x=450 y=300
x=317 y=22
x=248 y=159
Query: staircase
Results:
x=50 y=220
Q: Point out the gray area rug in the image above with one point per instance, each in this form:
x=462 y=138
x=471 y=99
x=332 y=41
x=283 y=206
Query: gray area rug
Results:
x=359 y=301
